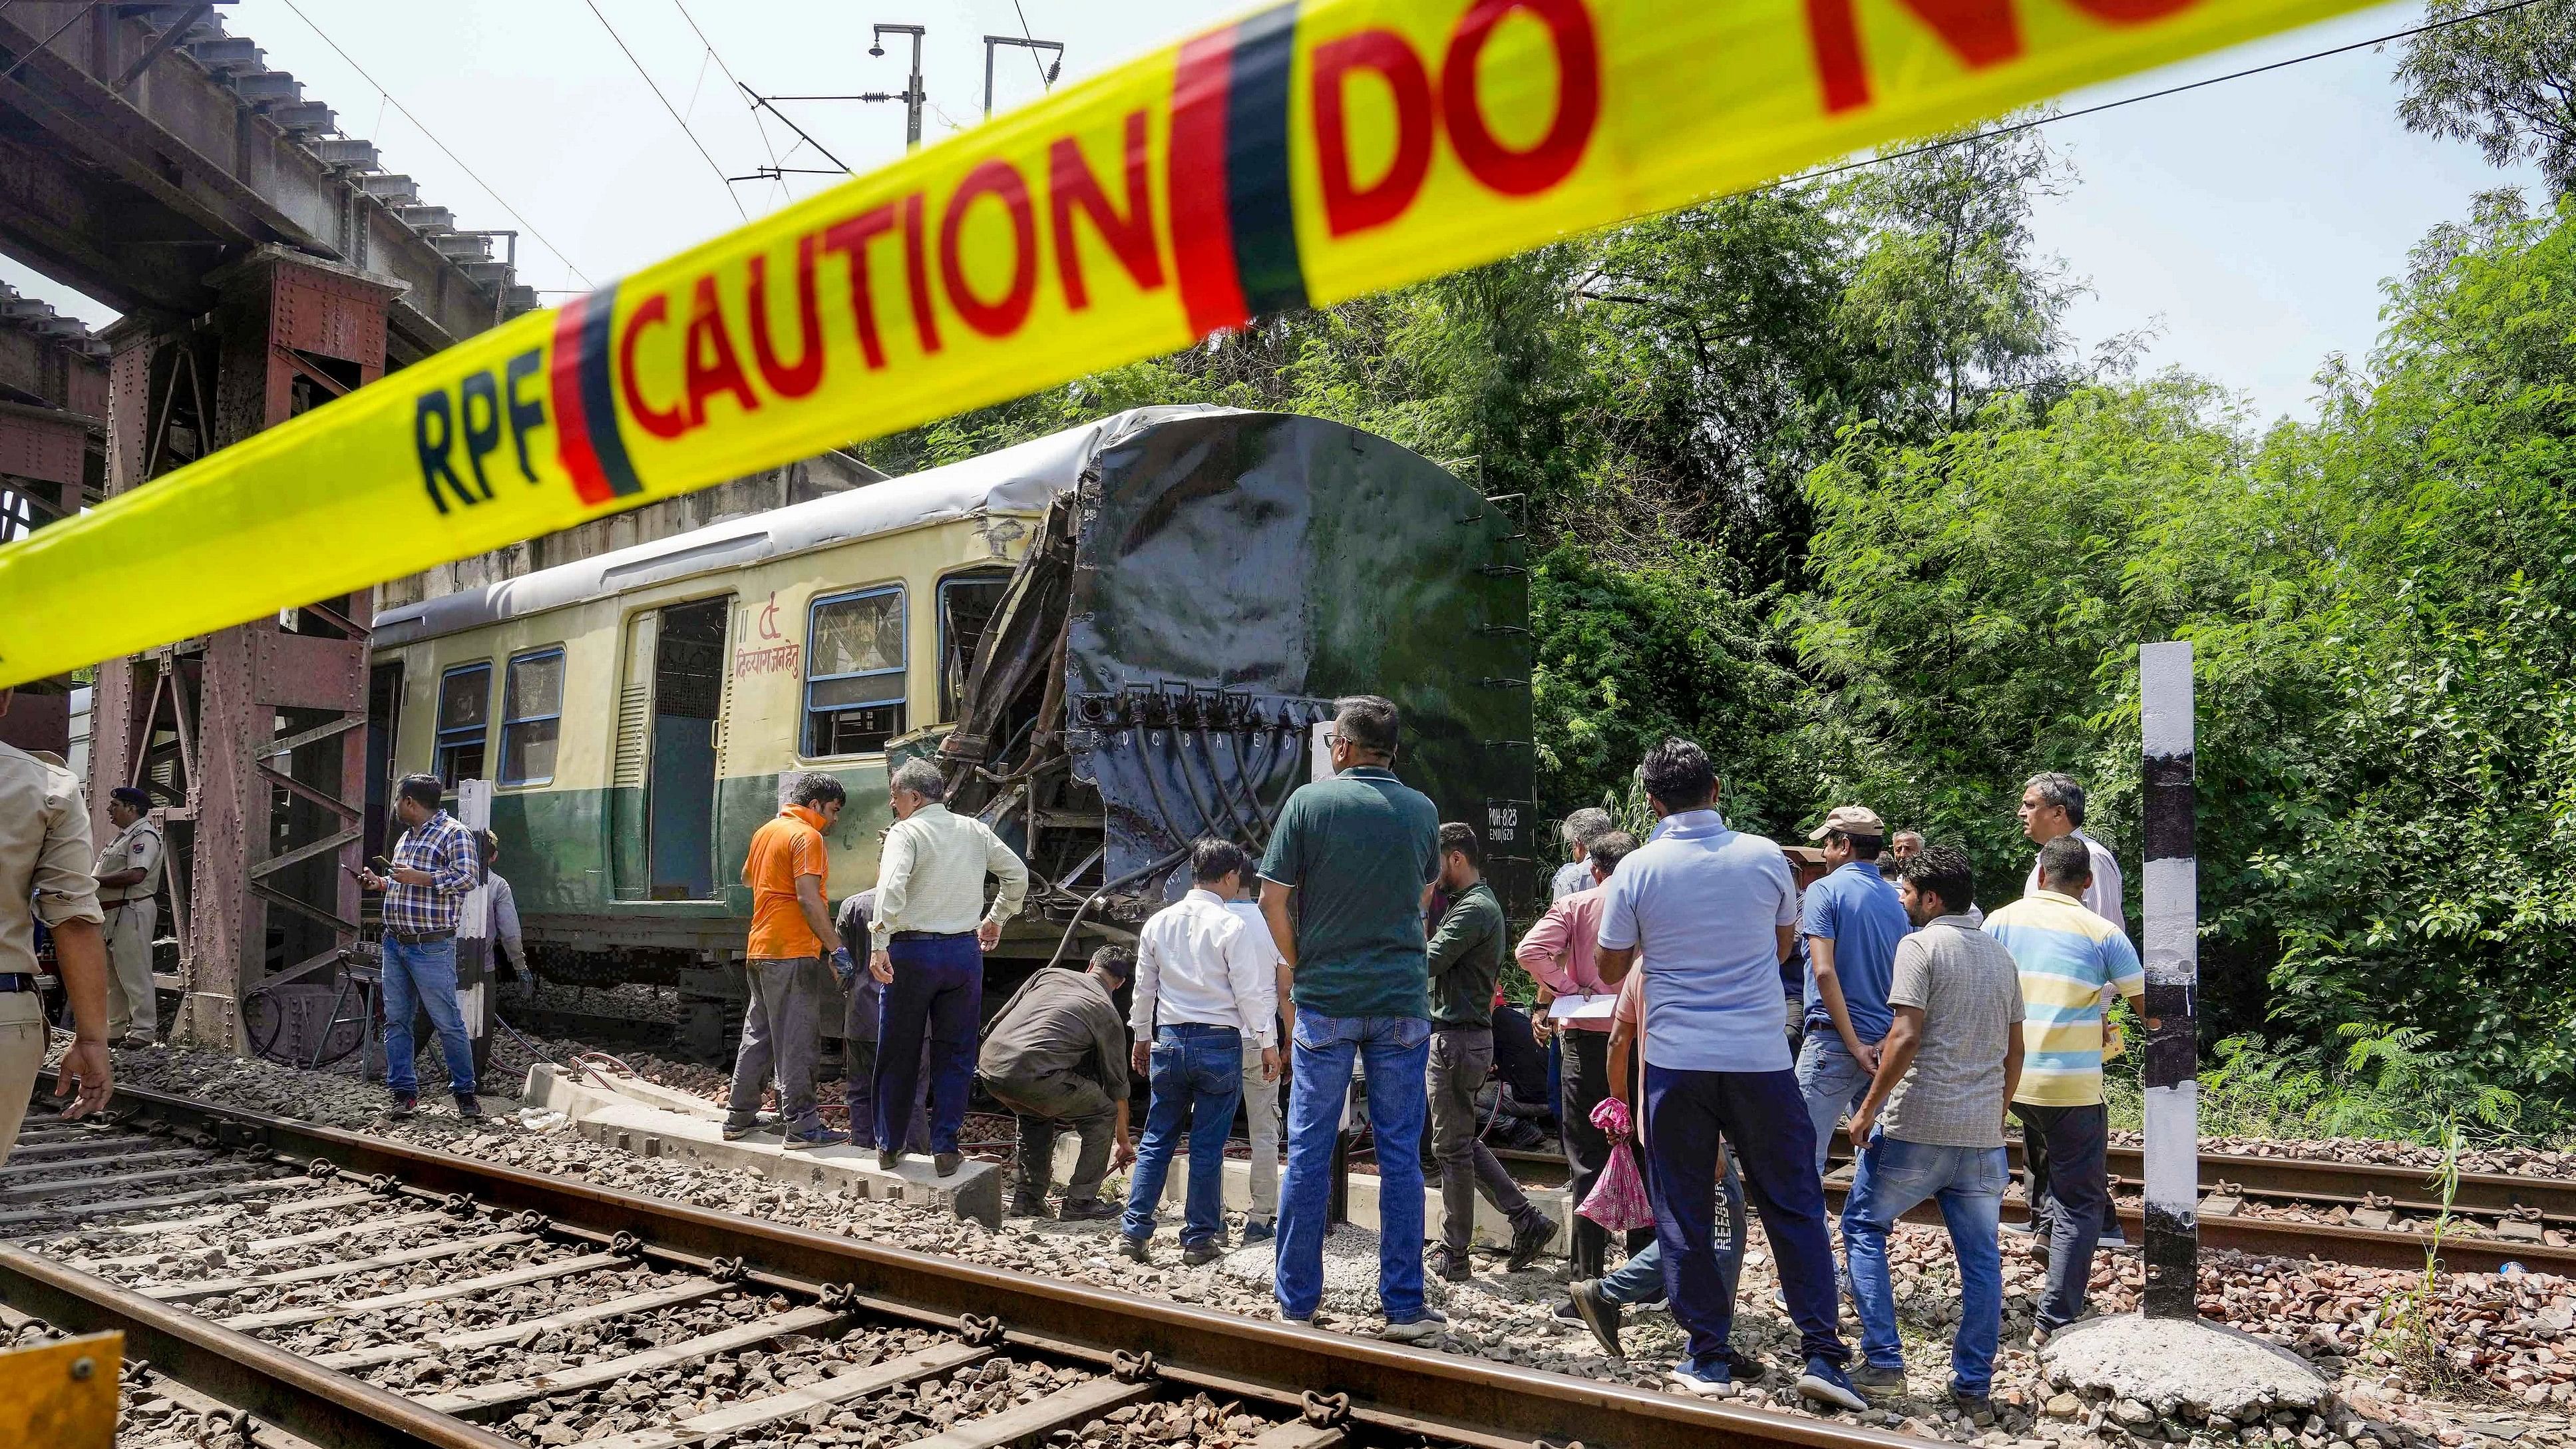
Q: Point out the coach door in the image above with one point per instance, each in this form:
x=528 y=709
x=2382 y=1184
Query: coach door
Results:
x=662 y=815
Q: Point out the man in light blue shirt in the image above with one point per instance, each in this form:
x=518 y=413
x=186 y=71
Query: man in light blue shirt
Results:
x=1852 y=921
x=1711 y=911
x=1579 y=831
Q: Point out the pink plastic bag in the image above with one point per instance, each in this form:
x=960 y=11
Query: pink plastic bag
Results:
x=1610 y=1116
x=1618 y=1201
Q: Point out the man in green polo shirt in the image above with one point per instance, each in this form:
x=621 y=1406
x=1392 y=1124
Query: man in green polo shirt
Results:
x=1344 y=886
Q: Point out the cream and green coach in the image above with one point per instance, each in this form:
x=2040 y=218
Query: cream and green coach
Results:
x=1113 y=640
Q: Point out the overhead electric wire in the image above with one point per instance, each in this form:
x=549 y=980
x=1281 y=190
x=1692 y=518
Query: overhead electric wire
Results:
x=676 y=118
x=2036 y=122
x=388 y=98
x=758 y=101
x=775 y=160
x=1046 y=82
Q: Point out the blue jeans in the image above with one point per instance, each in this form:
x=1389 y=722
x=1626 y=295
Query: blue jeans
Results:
x=1968 y=1183
x=1687 y=1115
x=1198 y=1074
x=934 y=1000
x=1397 y=1050
x=1832 y=1081
x=422 y=977
x=1641 y=1278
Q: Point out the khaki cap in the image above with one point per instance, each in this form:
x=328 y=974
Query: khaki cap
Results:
x=1851 y=820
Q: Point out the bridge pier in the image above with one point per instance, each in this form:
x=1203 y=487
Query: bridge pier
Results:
x=251 y=740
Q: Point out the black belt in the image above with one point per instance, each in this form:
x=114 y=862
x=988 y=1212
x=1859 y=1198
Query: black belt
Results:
x=421 y=938
x=928 y=935
x=17 y=981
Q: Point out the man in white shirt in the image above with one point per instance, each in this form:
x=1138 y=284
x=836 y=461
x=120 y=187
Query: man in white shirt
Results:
x=2053 y=805
x=1261 y=1080
x=1205 y=989
x=929 y=934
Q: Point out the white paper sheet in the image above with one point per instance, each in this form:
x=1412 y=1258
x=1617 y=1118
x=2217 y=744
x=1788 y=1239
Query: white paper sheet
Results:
x=1582 y=1008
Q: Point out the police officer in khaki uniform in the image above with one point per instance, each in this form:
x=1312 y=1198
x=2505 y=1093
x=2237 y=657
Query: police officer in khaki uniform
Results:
x=44 y=875
x=129 y=876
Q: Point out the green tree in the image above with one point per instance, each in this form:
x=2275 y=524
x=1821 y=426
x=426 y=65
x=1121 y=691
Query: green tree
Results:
x=2505 y=81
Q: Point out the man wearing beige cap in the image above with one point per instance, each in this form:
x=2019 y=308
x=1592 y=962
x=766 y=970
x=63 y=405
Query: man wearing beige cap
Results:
x=1852 y=921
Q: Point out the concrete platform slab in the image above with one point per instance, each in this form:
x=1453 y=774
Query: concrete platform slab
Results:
x=636 y=1116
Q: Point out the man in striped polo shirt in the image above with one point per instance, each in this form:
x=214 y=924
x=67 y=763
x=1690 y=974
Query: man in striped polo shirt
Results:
x=2066 y=956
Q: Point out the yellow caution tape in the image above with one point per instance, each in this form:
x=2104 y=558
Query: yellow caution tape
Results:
x=1302 y=156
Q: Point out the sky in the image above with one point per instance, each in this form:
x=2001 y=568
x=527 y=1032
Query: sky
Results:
x=2250 y=224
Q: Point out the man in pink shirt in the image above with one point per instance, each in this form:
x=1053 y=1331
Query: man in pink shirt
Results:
x=1557 y=953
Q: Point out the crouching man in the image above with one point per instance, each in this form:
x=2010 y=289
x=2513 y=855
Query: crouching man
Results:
x=1057 y=1057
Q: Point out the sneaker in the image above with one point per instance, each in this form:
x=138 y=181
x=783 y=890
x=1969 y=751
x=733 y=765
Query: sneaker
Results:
x=1597 y=1313
x=138 y=1040
x=735 y=1133
x=947 y=1163
x=1087 y=1210
x=1259 y=1232
x=2039 y=1336
x=819 y=1136
x=404 y=1104
x=1414 y=1330
x=1874 y=1381
x=1826 y=1385
x=1023 y=1206
x=1200 y=1254
x=1133 y=1249
x=1528 y=1241
x=466 y=1106
x=1297 y=1320
x=1714 y=1381
x=1747 y=1368
x=1449 y=1266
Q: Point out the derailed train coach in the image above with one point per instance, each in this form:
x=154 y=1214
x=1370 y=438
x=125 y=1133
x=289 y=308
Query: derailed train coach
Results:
x=1113 y=640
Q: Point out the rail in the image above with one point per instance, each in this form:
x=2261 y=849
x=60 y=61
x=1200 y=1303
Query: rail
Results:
x=1376 y=1388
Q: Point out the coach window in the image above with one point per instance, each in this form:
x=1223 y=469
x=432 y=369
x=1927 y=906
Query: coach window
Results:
x=854 y=681
x=532 y=717
x=464 y=720
x=966 y=604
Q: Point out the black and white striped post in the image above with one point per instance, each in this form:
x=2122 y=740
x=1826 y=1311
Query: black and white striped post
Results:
x=2172 y=958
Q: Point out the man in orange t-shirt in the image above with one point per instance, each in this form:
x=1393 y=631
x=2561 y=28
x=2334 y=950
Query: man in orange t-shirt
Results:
x=791 y=933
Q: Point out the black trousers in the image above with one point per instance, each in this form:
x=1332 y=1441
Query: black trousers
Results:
x=1587 y=1151
x=2063 y=1149
x=1519 y=1057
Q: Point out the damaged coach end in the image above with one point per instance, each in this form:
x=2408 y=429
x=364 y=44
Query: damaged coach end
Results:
x=1165 y=659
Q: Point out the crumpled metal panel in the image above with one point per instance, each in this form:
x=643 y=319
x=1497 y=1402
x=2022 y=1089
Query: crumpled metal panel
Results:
x=1234 y=574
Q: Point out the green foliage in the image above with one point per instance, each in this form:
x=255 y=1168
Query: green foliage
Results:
x=2506 y=82
x=1812 y=477
x=2381 y=606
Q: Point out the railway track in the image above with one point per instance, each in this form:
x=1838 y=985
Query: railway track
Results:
x=2288 y=1207
x=285 y=1284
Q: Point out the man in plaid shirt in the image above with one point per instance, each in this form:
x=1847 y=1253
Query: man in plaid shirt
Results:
x=435 y=865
